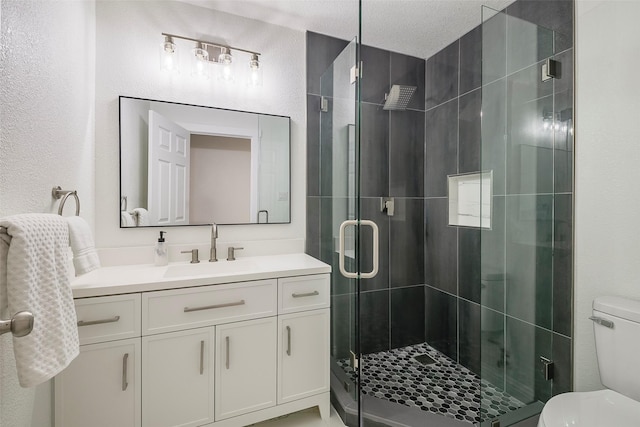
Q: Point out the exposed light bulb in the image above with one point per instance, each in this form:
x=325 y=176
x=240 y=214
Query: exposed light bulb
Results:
x=255 y=71
x=226 y=72
x=225 y=60
x=169 y=55
x=200 y=61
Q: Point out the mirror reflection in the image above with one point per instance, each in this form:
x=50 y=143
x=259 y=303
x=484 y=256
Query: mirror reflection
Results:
x=191 y=165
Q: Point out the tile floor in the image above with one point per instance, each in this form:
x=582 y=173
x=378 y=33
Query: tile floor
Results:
x=443 y=387
x=311 y=418
x=306 y=418
x=396 y=376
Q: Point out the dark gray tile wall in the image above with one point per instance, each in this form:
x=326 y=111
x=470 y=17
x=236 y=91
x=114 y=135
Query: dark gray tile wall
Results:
x=407 y=316
x=441 y=147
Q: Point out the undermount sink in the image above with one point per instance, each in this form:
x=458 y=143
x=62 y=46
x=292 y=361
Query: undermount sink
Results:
x=209 y=268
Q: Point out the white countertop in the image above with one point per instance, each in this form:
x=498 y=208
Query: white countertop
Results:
x=147 y=277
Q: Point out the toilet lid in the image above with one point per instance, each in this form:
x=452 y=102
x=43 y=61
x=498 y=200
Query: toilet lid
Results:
x=604 y=408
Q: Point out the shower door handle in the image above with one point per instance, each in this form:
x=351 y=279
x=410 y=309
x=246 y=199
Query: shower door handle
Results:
x=376 y=240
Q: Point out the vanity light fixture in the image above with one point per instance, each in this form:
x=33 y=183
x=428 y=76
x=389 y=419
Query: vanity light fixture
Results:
x=200 y=65
x=206 y=55
x=255 y=71
x=225 y=60
x=169 y=55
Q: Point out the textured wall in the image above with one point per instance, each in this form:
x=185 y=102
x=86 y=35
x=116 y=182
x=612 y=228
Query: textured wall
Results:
x=607 y=155
x=127 y=41
x=47 y=92
x=46 y=136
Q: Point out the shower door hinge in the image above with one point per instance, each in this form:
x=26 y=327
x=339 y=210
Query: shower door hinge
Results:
x=353 y=360
x=356 y=73
x=547 y=368
x=324 y=104
x=550 y=70
x=495 y=423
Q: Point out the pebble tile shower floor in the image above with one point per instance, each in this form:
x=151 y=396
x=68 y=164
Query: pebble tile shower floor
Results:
x=443 y=387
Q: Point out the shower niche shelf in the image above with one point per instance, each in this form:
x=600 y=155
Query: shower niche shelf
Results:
x=470 y=199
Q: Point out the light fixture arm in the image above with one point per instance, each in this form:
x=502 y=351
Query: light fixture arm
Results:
x=207 y=43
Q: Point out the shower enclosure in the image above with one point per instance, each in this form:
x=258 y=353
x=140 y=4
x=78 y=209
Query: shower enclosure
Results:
x=447 y=221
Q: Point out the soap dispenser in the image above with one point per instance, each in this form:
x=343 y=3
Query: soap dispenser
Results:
x=161 y=255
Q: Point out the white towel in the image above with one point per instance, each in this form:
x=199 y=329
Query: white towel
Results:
x=142 y=217
x=126 y=220
x=34 y=277
x=85 y=257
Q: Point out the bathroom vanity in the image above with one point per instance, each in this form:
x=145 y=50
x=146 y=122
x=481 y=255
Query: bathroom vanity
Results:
x=212 y=344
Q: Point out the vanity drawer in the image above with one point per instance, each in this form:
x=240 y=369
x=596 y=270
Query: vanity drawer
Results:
x=303 y=293
x=173 y=310
x=108 y=318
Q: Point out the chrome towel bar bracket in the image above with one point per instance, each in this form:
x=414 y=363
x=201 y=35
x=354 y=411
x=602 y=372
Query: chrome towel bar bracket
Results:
x=58 y=192
x=21 y=324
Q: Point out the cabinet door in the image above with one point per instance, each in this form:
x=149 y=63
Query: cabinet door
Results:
x=177 y=378
x=101 y=387
x=245 y=367
x=303 y=355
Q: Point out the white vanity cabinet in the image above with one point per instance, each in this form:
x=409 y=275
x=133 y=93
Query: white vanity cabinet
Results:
x=220 y=355
x=102 y=386
x=303 y=356
x=177 y=378
x=303 y=337
x=245 y=367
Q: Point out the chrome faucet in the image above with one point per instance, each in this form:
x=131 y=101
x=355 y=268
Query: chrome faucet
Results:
x=214 y=235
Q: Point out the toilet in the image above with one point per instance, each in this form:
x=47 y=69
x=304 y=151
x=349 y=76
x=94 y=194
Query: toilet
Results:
x=617 y=335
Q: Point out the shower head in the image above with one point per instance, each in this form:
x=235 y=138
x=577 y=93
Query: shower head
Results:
x=398 y=97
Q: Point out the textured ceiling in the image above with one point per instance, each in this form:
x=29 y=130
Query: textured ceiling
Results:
x=414 y=27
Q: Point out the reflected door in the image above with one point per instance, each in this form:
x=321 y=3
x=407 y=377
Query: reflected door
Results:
x=168 y=186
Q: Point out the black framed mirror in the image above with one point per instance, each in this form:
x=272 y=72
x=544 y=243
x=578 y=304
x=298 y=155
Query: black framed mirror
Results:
x=183 y=164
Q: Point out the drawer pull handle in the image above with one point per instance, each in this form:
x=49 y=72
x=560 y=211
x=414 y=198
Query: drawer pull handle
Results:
x=201 y=357
x=97 y=322
x=125 y=383
x=227 y=345
x=308 y=294
x=210 y=307
x=288 y=341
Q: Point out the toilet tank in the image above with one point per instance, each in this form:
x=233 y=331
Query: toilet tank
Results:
x=617 y=336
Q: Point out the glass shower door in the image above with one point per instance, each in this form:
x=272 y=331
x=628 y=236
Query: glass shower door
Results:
x=338 y=190
x=340 y=222
x=517 y=281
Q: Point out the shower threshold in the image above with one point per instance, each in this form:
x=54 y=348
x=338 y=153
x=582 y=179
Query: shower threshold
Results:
x=442 y=388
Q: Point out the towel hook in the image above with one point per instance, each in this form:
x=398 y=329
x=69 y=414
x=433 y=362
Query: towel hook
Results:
x=58 y=192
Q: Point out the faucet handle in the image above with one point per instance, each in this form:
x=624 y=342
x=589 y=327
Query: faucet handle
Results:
x=231 y=253
x=194 y=255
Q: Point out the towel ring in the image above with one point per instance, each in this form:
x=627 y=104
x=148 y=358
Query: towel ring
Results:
x=58 y=192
